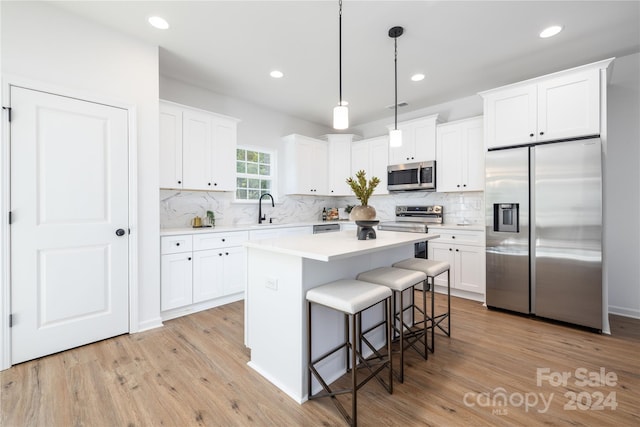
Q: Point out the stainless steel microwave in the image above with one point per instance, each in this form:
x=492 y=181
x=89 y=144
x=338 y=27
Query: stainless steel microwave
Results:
x=412 y=176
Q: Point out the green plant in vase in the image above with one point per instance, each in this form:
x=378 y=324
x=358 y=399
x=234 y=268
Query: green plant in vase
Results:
x=363 y=190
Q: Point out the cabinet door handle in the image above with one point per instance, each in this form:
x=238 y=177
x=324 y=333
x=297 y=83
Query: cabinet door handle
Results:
x=178 y=244
x=220 y=254
x=209 y=184
x=541 y=133
x=457 y=250
x=453 y=237
x=189 y=259
x=464 y=185
x=223 y=240
x=531 y=135
x=179 y=182
x=458 y=185
x=450 y=249
x=226 y=253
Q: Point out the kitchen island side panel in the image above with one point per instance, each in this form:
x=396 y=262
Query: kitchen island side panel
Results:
x=276 y=305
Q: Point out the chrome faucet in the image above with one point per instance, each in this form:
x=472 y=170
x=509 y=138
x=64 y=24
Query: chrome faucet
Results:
x=260 y=216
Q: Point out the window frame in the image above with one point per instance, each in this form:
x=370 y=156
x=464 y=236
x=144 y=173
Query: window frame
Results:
x=273 y=175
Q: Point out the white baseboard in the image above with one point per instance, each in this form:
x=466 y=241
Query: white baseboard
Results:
x=149 y=324
x=623 y=311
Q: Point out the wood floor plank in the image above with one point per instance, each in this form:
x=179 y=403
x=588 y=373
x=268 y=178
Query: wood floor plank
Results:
x=193 y=372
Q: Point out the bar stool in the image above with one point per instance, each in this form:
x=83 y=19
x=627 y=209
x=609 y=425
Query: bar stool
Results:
x=432 y=269
x=399 y=280
x=351 y=297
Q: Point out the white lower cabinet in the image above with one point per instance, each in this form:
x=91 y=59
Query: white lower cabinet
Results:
x=464 y=250
x=202 y=271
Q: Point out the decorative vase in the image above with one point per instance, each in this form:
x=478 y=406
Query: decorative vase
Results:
x=362 y=212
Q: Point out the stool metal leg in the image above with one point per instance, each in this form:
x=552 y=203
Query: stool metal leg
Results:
x=354 y=383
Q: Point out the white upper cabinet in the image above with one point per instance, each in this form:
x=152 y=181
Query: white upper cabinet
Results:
x=418 y=141
x=372 y=156
x=460 y=156
x=170 y=146
x=563 y=105
x=197 y=149
x=305 y=161
x=339 y=164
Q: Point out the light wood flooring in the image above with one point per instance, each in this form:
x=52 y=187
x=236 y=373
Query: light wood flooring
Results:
x=193 y=372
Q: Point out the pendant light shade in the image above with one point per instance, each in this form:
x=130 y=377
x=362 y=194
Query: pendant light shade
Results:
x=395 y=135
x=340 y=112
x=340 y=117
x=395 y=138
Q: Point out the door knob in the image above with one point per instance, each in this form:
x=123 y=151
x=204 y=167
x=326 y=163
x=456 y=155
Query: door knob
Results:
x=119 y=232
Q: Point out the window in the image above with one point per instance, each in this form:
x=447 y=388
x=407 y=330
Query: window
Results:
x=254 y=173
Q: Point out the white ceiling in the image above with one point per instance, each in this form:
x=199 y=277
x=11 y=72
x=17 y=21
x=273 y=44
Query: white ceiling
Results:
x=463 y=47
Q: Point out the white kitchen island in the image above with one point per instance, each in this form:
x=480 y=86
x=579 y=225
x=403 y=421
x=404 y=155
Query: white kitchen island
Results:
x=280 y=271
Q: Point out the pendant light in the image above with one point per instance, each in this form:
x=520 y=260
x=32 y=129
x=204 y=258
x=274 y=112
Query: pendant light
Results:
x=395 y=135
x=340 y=112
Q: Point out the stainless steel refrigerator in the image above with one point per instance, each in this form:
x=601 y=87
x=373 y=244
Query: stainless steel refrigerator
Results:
x=544 y=231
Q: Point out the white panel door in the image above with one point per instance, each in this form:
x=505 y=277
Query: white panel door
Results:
x=69 y=196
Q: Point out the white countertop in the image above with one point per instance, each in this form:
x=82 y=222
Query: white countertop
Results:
x=243 y=227
x=470 y=227
x=331 y=246
x=251 y=227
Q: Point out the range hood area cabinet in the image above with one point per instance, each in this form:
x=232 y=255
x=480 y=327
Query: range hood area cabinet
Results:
x=197 y=149
x=460 y=156
x=418 y=141
x=563 y=105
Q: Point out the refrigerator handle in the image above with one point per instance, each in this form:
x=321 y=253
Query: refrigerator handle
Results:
x=532 y=230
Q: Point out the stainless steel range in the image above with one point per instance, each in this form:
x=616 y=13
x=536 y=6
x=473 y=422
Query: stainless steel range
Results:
x=414 y=219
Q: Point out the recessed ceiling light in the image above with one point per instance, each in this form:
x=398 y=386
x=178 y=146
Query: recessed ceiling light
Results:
x=276 y=74
x=550 y=31
x=158 y=22
x=417 y=77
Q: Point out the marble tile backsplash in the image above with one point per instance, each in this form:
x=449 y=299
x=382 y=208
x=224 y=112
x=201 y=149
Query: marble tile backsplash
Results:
x=177 y=208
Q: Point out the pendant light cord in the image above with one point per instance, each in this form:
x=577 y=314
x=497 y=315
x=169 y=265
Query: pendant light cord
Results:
x=340 y=49
x=395 y=63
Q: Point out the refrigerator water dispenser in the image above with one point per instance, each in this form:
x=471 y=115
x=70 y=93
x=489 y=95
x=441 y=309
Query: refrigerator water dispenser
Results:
x=506 y=217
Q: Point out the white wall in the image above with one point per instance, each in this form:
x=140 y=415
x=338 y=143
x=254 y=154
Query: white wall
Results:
x=259 y=126
x=622 y=187
x=47 y=45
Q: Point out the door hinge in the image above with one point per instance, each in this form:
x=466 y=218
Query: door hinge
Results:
x=10 y=320
x=8 y=112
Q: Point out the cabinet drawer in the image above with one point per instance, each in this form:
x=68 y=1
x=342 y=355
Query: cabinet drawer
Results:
x=219 y=240
x=175 y=244
x=462 y=236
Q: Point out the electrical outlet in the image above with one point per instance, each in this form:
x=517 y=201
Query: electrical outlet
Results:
x=271 y=283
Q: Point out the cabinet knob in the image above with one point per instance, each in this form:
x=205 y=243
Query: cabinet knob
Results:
x=531 y=135
x=457 y=250
x=458 y=185
x=209 y=184
x=179 y=182
x=541 y=133
x=224 y=240
x=189 y=259
x=226 y=253
x=220 y=254
x=178 y=244
x=450 y=249
x=453 y=237
x=464 y=185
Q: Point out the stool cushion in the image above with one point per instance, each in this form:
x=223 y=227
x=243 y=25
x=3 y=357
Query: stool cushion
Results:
x=428 y=266
x=397 y=279
x=348 y=295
